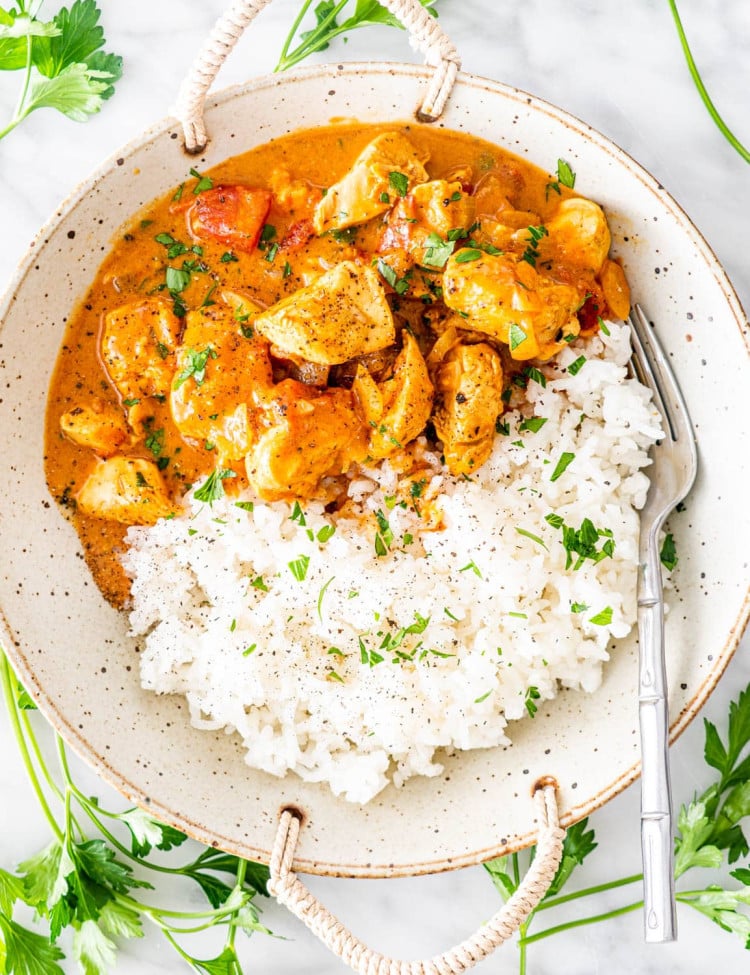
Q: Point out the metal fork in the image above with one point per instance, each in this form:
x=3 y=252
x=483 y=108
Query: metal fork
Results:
x=675 y=463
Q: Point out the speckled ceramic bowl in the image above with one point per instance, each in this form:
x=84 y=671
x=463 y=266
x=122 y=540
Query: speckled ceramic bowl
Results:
x=72 y=651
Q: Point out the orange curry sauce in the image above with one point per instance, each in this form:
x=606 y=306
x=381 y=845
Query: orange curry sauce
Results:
x=136 y=268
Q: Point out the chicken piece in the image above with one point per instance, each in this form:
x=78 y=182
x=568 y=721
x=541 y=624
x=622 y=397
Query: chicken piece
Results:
x=303 y=436
x=138 y=342
x=126 y=489
x=615 y=287
x=397 y=409
x=430 y=211
x=512 y=302
x=233 y=215
x=297 y=197
x=470 y=389
x=368 y=190
x=222 y=369
x=577 y=234
x=343 y=314
x=497 y=190
x=97 y=426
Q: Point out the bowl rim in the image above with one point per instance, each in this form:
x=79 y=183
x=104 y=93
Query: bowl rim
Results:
x=337 y=70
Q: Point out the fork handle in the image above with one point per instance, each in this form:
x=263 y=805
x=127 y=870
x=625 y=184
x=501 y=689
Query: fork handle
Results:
x=657 y=844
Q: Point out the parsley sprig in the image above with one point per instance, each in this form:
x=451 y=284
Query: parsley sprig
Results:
x=710 y=836
x=62 y=64
x=85 y=879
x=327 y=26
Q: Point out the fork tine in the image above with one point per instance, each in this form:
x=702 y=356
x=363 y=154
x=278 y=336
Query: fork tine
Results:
x=646 y=351
x=657 y=370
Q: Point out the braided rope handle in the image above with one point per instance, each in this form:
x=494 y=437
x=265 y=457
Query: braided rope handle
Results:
x=290 y=892
x=425 y=35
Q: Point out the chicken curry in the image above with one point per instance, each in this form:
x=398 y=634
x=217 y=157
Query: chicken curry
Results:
x=316 y=304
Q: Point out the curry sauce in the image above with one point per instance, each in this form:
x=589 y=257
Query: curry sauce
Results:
x=193 y=353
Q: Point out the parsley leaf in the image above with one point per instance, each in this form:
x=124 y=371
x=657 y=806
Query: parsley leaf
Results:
x=566 y=459
x=668 y=554
x=399 y=182
x=212 y=488
x=565 y=174
x=195 y=366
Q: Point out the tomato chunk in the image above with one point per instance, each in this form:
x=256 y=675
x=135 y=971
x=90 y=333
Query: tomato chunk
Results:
x=233 y=215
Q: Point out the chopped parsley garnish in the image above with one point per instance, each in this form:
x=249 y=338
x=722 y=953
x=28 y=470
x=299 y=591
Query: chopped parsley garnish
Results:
x=467 y=254
x=602 y=325
x=326 y=532
x=533 y=423
x=472 y=566
x=575 y=367
x=155 y=441
x=204 y=182
x=130 y=402
x=299 y=566
x=437 y=251
x=531 y=253
x=565 y=174
x=212 y=488
x=455 y=197
x=267 y=234
x=384 y=197
x=604 y=618
x=532 y=695
x=400 y=285
x=321 y=595
x=668 y=554
x=399 y=182
x=287 y=269
x=249 y=650
x=579 y=607
x=178 y=278
x=271 y=253
x=566 y=459
x=582 y=542
x=516 y=335
x=502 y=427
x=140 y=480
x=384 y=535
x=332 y=675
x=228 y=257
x=343 y=236
x=195 y=366
x=417 y=487
x=298 y=515
x=368 y=656
x=259 y=583
x=533 y=373
x=534 y=538
x=245 y=505
x=478 y=700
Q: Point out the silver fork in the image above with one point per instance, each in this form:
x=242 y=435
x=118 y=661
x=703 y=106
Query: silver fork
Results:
x=675 y=463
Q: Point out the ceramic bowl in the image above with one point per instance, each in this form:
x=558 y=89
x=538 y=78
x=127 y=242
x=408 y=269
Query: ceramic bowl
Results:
x=72 y=650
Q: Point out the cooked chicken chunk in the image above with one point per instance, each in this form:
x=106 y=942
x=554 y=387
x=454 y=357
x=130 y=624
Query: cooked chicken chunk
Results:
x=298 y=197
x=137 y=345
x=577 y=235
x=430 y=211
x=125 y=489
x=469 y=391
x=397 y=409
x=303 y=436
x=369 y=189
x=615 y=287
x=341 y=315
x=233 y=215
x=219 y=373
x=512 y=302
x=97 y=426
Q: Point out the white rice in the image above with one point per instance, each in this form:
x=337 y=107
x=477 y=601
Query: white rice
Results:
x=284 y=667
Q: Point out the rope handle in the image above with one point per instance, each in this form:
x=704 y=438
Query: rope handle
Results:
x=425 y=33
x=289 y=891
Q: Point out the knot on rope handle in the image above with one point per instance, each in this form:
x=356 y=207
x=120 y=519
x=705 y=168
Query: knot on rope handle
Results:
x=289 y=891
x=426 y=36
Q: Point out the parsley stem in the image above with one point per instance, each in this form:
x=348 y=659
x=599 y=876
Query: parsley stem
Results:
x=318 y=38
x=241 y=871
x=579 y=922
x=10 y=702
x=19 y=113
x=588 y=891
x=290 y=36
x=33 y=741
x=698 y=81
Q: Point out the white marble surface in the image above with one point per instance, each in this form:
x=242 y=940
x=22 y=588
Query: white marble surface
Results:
x=620 y=68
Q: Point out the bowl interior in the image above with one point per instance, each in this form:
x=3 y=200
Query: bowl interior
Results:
x=73 y=652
